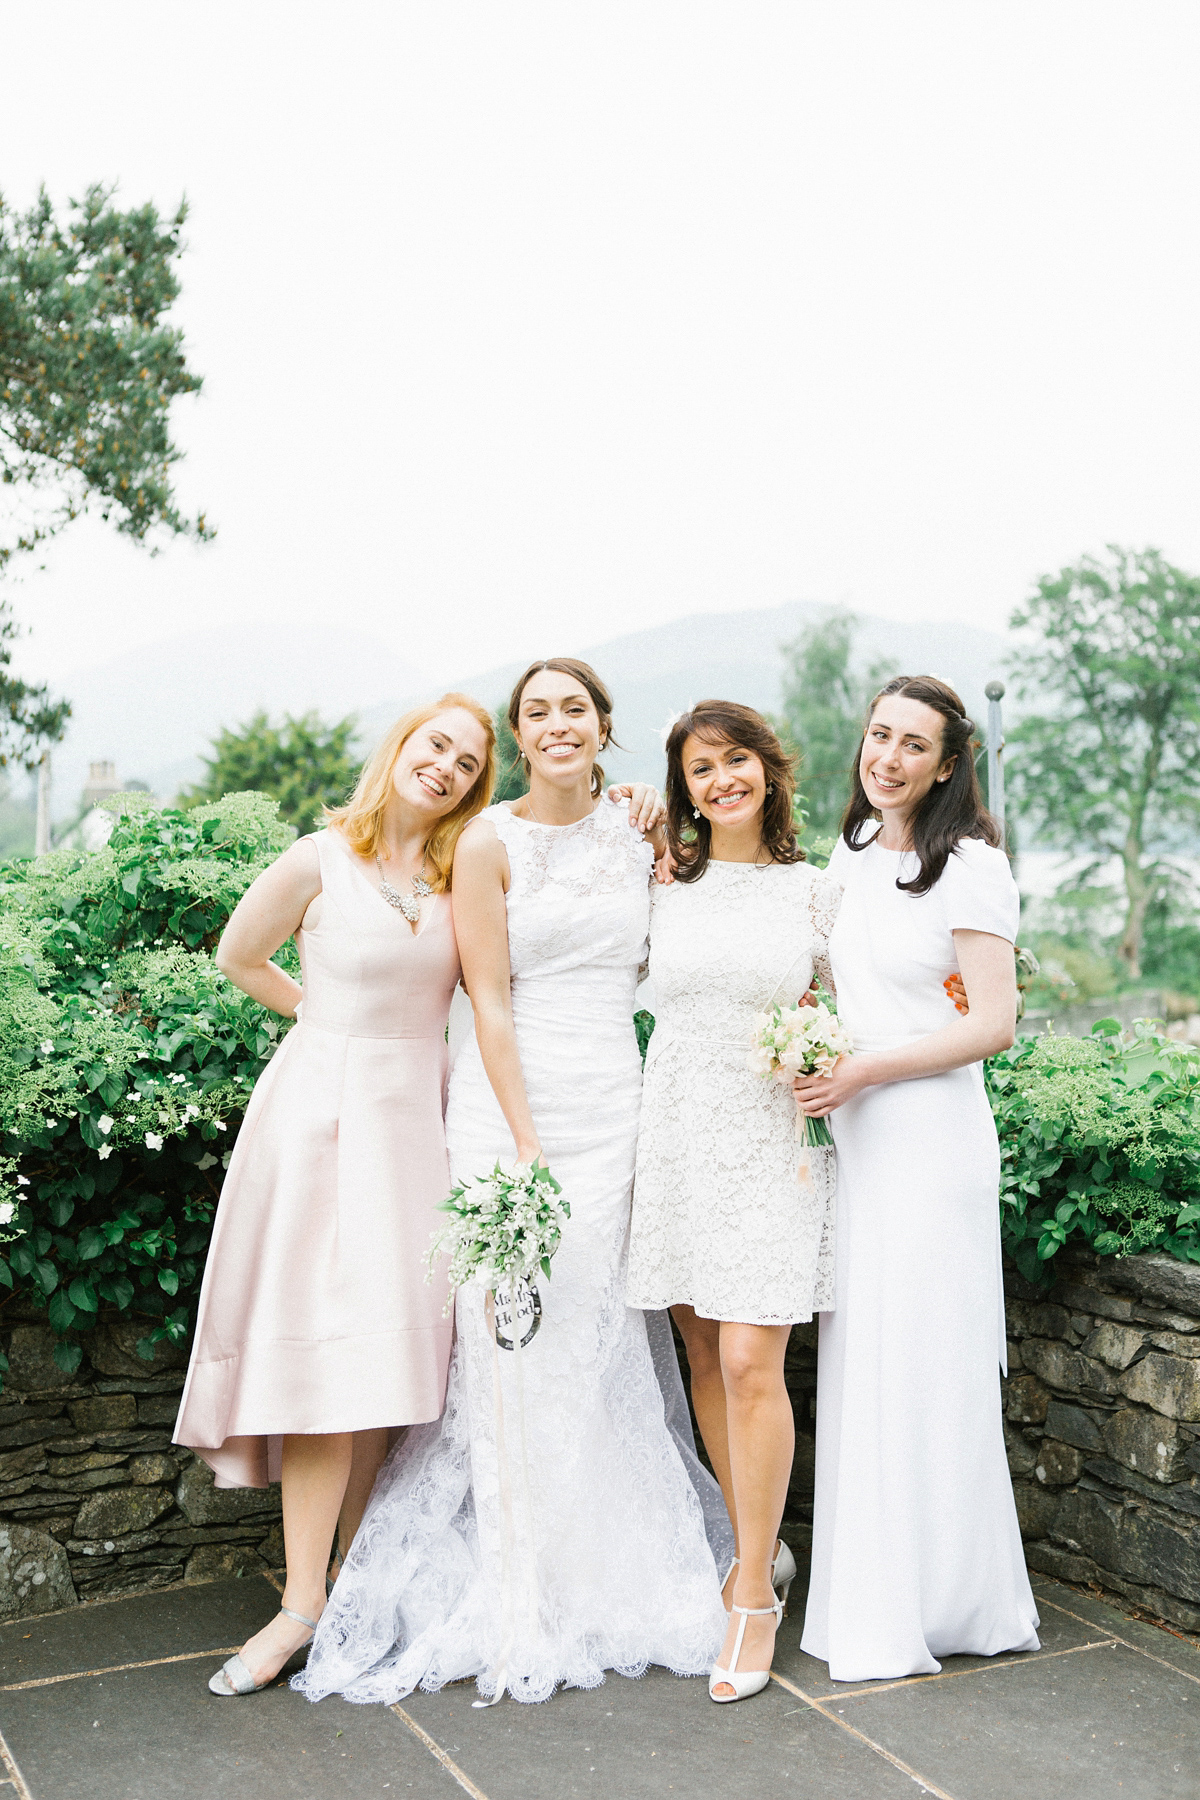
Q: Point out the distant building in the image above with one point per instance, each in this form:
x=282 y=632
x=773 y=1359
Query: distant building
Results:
x=100 y=784
x=95 y=827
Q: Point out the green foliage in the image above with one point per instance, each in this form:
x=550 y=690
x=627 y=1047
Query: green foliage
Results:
x=1112 y=763
x=1099 y=1143
x=126 y=1060
x=511 y=780
x=18 y=822
x=302 y=764
x=88 y=368
x=824 y=703
x=88 y=371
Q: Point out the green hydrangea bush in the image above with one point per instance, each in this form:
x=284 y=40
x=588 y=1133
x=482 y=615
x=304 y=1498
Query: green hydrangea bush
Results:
x=1099 y=1144
x=126 y=1060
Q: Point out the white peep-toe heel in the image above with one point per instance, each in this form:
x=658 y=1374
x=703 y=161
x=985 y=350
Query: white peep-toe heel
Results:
x=748 y=1681
x=233 y=1677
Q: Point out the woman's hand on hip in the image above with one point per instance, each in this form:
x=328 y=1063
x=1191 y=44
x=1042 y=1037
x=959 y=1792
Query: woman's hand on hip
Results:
x=817 y=1095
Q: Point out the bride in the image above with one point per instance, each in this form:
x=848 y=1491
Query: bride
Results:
x=592 y=1554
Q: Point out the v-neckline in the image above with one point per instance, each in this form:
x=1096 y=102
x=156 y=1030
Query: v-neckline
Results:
x=393 y=911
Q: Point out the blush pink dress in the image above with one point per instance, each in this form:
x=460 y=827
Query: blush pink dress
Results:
x=315 y=1314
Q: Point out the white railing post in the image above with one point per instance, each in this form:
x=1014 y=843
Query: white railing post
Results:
x=995 y=751
x=41 y=837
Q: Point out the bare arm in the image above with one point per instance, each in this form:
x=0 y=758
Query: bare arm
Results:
x=265 y=917
x=989 y=977
x=481 y=927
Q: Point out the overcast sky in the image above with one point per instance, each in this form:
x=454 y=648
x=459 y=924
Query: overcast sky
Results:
x=513 y=315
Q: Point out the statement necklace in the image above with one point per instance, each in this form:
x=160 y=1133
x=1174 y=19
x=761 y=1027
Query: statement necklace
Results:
x=408 y=904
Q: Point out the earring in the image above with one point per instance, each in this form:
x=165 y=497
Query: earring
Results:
x=695 y=812
x=770 y=787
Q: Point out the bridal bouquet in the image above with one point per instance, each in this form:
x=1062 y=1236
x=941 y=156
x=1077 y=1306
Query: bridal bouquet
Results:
x=503 y=1227
x=800 y=1040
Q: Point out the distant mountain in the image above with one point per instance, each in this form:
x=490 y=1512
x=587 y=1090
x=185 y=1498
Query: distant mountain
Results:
x=736 y=656
x=155 y=711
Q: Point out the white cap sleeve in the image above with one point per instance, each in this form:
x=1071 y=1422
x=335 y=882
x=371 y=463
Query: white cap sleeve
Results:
x=978 y=892
x=838 y=866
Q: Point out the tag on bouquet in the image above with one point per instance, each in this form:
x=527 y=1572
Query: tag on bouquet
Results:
x=518 y=1313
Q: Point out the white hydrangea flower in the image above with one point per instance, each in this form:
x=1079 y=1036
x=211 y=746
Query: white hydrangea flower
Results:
x=153 y=1141
x=104 y=1152
x=7 y=1209
x=105 y=1123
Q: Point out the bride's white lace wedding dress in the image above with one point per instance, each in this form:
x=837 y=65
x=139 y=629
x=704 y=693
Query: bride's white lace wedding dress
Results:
x=605 y=1562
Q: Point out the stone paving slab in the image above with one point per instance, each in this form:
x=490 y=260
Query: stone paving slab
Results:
x=1055 y=1600
x=1095 y=1722
x=1109 y=1707
x=640 y=1740
x=170 y=1622
x=158 y=1734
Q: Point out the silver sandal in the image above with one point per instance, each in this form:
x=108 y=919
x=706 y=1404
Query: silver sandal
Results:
x=233 y=1677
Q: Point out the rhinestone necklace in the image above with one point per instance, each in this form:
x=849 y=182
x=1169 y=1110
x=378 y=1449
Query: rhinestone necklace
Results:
x=408 y=904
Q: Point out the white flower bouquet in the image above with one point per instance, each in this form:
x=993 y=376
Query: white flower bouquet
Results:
x=800 y=1040
x=503 y=1227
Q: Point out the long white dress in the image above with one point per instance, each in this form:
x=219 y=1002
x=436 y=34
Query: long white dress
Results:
x=916 y=1549
x=604 y=1561
x=720 y=1221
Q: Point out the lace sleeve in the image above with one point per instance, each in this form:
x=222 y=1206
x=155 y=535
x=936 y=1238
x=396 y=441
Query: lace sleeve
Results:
x=824 y=898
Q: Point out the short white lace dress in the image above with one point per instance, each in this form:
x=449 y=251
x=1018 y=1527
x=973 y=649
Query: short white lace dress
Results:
x=720 y=1221
x=600 y=1559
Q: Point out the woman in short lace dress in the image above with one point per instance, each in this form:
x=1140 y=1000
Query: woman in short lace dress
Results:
x=725 y=1231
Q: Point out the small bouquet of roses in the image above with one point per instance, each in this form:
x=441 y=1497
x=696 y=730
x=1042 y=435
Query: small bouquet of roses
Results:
x=503 y=1227
x=800 y=1040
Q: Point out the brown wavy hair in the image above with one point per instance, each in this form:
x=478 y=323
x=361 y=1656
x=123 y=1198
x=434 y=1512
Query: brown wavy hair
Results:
x=725 y=722
x=596 y=691
x=951 y=810
x=360 y=821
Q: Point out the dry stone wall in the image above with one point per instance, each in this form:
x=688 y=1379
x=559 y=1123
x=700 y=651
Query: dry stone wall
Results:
x=1102 y=1421
x=94 y=1497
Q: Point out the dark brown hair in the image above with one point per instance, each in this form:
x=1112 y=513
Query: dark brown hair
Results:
x=952 y=809
x=725 y=722
x=597 y=693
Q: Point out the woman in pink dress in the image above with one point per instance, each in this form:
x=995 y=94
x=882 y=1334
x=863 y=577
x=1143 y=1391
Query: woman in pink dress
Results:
x=318 y=1334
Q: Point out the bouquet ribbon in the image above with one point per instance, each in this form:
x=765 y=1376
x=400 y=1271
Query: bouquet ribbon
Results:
x=508 y=1533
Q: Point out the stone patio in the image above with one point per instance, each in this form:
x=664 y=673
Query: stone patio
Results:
x=108 y=1702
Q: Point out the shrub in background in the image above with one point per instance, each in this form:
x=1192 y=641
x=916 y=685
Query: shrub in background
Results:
x=1099 y=1143
x=126 y=1060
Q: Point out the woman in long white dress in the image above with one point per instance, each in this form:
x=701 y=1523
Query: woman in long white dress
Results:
x=916 y=1549
x=724 y=1232
x=593 y=1555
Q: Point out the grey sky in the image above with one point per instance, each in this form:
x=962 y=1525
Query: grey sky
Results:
x=513 y=314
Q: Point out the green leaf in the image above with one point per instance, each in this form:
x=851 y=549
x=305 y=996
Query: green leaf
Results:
x=168 y=1281
x=22 y=1258
x=60 y=1312
x=68 y=1357
x=83 y=1294
x=145 y=1349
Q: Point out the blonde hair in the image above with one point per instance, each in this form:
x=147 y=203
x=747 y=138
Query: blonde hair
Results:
x=360 y=821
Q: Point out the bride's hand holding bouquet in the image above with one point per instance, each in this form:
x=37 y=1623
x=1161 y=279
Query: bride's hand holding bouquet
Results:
x=504 y=1226
x=808 y=1047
